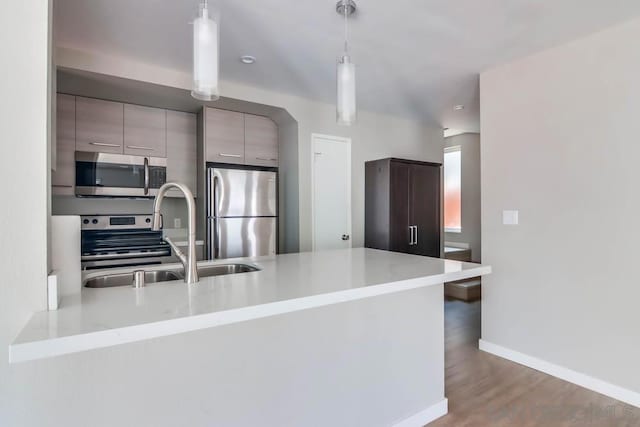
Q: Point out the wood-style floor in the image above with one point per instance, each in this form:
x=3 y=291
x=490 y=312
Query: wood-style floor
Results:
x=485 y=390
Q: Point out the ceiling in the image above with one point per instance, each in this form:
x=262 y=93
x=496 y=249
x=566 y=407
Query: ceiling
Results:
x=415 y=58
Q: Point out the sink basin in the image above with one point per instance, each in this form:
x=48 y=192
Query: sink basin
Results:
x=222 y=269
x=126 y=279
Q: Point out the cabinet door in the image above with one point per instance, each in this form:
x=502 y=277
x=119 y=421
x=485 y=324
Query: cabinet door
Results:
x=399 y=235
x=224 y=136
x=99 y=125
x=181 y=150
x=145 y=131
x=260 y=141
x=63 y=177
x=424 y=202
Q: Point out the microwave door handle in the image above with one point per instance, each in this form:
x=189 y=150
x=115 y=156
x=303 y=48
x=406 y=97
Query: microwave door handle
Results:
x=146 y=176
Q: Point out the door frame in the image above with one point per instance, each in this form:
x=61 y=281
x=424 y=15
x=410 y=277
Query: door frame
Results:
x=336 y=139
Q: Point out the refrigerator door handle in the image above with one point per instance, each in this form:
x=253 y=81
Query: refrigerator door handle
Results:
x=216 y=225
x=216 y=238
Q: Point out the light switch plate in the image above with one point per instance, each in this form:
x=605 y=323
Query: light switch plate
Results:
x=177 y=223
x=510 y=217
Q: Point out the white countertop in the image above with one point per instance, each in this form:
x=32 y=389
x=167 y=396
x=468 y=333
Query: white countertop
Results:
x=98 y=318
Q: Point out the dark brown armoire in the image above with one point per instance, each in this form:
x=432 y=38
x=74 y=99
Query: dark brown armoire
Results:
x=403 y=206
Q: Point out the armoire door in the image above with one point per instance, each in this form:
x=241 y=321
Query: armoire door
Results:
x=399 y=235
x=424 y=209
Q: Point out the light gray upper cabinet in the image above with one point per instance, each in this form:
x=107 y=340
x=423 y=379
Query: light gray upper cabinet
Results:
x=144 y=131
x=99 y=125
x=224 y=136
x=181 y=150
x=261 y=141
x=63 y=177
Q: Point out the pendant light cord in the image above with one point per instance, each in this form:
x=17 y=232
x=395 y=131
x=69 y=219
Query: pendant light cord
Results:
x=346 y=26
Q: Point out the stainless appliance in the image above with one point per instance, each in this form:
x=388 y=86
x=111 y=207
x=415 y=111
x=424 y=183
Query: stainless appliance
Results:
x=242 y=211
x=119 y=175
x=120 y=241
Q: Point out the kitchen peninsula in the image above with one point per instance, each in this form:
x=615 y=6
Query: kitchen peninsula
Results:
x=344 y=337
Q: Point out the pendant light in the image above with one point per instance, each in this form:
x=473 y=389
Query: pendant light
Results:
x=346 y=72
x=205 y=55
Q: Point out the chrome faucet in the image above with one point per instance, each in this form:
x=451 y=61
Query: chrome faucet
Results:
x=188 y=261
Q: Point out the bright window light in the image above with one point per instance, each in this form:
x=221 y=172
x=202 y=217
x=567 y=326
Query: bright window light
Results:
x=452 y=190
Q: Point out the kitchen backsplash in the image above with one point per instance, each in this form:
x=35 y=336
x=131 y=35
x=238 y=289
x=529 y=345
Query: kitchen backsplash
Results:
x=172 y=208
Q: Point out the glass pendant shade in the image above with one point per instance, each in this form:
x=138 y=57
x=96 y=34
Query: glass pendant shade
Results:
x=346 y=99
x=205 y=56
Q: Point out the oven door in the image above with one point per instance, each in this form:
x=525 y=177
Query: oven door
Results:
x=118 y=175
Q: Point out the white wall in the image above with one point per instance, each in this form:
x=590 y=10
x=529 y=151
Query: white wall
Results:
x=559 y=144
x=469 y=144
x=24 y=104
x=374 y=136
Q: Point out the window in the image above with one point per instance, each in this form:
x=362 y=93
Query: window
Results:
x=452 y=190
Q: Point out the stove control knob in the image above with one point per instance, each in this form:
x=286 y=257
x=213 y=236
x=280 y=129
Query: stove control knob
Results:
x=94 y=221
x=148 y=220
x=85 y=221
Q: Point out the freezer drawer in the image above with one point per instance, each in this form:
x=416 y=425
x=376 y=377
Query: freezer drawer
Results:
x=241 y=193
x=243 y=237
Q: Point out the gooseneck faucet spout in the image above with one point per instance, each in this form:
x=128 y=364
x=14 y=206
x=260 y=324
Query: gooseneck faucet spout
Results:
x=189 y=261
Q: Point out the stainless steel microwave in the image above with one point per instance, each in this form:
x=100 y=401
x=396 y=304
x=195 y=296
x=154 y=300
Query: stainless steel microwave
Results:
x=119 y=175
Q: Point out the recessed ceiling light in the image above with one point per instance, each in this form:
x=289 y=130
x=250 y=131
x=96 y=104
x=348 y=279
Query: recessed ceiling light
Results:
x=459 y=107
x=248 y=59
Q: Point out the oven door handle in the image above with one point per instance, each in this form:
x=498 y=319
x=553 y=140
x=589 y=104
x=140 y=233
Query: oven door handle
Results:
x=146 y=176
x=125 y=256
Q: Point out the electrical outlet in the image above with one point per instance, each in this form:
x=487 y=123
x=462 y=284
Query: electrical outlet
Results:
x=177 y=223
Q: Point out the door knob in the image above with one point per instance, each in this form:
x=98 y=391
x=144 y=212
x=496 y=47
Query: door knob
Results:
x=345 y=237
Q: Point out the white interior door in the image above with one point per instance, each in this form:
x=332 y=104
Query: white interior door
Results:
x=331 y=192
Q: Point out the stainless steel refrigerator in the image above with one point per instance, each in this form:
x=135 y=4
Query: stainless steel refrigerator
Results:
x=242 y=212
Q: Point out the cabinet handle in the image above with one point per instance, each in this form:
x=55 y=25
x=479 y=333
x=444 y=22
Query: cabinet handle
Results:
x=104 y=144
x=140 y=147
x=229 y=155
x=264 y=158
x=413 y=235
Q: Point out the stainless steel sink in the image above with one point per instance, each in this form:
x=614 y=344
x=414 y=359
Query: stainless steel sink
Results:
x=222 y=269
x=126 y=279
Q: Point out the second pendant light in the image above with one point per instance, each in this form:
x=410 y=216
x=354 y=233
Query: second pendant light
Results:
x=346 y=72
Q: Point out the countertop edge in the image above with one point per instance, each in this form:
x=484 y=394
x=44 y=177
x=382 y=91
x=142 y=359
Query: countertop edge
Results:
x=33 y=350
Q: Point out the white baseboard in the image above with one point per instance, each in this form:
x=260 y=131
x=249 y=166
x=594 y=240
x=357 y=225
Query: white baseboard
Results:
x=594 y=384
x=426 y=416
